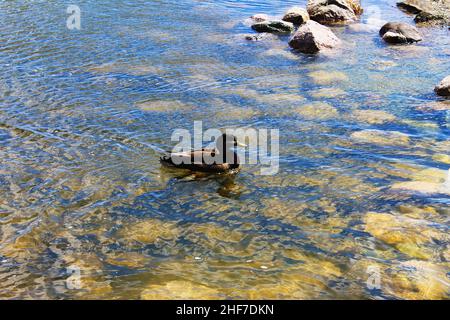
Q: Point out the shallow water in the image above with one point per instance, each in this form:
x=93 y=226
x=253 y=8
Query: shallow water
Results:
x=84 y=115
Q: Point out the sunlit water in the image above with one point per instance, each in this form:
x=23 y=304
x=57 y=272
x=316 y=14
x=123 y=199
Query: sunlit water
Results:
x=84 y=116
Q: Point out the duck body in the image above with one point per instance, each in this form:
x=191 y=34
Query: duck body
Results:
x=197 y=160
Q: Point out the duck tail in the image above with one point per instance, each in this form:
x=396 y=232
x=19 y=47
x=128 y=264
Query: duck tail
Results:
x=166 y=161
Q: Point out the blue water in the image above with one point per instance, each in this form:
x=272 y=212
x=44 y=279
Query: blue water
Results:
x=84 y=115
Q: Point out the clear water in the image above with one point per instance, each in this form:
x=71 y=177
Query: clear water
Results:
x=84 y=115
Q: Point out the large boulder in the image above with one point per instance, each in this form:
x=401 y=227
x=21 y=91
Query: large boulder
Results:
x=334 y=11
x=399 y=32
x=296 y=15
x=311 y=37
x=273 y=26
x=428 y=10
x=443 y=88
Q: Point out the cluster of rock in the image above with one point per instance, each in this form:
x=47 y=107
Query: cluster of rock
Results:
x=436 y=11
x=311 y=34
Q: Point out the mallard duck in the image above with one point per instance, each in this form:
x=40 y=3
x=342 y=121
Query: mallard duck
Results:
x=197 y=160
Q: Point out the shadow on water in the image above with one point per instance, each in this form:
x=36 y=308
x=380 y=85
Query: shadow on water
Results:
x=227 y=186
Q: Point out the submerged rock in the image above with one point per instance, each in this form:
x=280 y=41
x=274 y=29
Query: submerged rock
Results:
x=373 y=116
x=420 y=280
x=413 y=237
x=312 y=37
x=430 y=181
x=260 y=17
x=385 y=138
x=334 y=11
x=148 y=231
x=399 y=32
x=273 y=26
x=260 y=36
x=443 y=88
x=179 y=290
x=323 y=77
x=317 y=111
x=327 y=93
x=296 y=15
x=427 y=10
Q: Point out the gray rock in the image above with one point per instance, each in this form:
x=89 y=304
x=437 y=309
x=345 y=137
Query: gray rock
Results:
x=428 y=10
x=334 y=11
x=311 y=37
x=443 y=88
x=296 y=15
x=399 y=32
x=273 y=26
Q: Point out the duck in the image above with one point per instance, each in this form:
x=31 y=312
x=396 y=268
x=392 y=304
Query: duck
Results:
x=224 y=150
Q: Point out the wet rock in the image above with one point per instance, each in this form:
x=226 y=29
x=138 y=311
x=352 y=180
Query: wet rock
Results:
x=427 y=10
x=312 y=37
x=296 y=15
x=399 y=32
x=443 y=88
x=334 y=11
x=273 y=26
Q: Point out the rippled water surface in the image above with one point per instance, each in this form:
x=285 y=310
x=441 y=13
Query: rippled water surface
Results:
x=84 y=115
